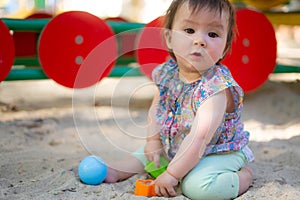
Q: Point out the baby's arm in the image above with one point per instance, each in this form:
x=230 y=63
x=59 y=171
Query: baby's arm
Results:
x=153 y=146
x=208 y=118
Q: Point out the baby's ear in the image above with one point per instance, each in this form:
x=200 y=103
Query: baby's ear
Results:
x=168 y=38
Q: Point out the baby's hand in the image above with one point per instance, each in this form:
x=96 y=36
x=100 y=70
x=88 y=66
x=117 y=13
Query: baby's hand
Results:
x=153 y=151
x=164 y=185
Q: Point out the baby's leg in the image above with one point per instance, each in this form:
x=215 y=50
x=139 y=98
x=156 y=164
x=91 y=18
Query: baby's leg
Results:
x=217 y=177
x=245 y=179
x=124 y=169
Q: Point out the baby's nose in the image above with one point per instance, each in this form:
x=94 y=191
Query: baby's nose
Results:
x=200 y=41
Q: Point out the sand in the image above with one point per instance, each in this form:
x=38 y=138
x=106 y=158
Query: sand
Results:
x=46 y=130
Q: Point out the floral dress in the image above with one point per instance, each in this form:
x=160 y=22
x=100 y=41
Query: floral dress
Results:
x=179 y=101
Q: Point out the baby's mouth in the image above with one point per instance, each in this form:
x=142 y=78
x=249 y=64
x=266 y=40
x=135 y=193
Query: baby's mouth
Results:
x=198 y=54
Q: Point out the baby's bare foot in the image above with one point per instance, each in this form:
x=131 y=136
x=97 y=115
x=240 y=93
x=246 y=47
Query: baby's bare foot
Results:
x=248 y=171
x=245 y=178
x=112 y=176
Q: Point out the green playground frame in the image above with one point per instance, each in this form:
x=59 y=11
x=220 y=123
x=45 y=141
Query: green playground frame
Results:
x=120 y=69
x=33 y=71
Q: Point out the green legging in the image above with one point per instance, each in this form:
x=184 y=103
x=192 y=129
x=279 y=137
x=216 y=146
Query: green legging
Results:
x=214 y=177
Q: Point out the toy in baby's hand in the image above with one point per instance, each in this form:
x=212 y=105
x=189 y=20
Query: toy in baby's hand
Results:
x=156 y=171
x=92 y=170
x=144 y=187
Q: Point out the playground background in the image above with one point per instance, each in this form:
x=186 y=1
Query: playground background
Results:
x=40 y=148
x=40 y=145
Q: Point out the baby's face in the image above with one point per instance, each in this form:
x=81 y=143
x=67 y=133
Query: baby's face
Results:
x=198 y=39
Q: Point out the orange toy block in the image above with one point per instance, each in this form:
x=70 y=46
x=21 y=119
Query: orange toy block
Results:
x=144 y=188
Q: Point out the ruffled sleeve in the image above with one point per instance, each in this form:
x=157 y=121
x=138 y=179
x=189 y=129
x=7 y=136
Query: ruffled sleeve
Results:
x=162 y=73
x=213 y=81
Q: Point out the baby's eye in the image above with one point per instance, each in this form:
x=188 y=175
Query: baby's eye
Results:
x=213 y=34
x=189 y=30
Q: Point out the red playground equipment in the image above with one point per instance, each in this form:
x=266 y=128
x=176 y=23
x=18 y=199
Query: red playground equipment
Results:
x=77 y=49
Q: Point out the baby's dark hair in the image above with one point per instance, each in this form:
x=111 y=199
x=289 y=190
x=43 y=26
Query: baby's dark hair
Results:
x=218 y=6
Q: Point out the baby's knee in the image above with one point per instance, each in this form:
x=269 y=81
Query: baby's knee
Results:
x=222 y=186
x=195 y=192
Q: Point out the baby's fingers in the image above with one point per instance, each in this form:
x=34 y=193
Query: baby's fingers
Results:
x=165 y=192
x=171 y=191
x=156 y=159
x=149 y=157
